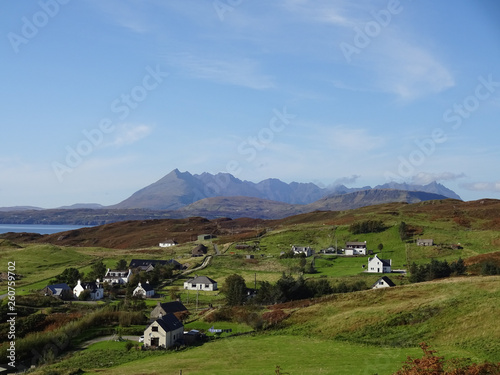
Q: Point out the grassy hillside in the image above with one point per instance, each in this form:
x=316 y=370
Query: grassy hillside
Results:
x=358 y=333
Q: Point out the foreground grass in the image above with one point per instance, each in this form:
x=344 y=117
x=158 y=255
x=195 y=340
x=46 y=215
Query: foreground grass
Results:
x=257 y=354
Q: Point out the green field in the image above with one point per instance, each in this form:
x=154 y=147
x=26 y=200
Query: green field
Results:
x=364 y=332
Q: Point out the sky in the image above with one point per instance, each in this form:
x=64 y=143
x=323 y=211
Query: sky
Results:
x=102 y=98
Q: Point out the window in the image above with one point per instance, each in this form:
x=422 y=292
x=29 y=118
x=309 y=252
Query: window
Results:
x=154 y=329
x=206 y=286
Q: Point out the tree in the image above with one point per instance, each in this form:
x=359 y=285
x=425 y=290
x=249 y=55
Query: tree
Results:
x=380 y=247
x=174 y=293
x=458 y=267
x=235 y=290
x=266 y=293
x=121 y=265
x=69 y=276
x=403 y=231
x=97 y=271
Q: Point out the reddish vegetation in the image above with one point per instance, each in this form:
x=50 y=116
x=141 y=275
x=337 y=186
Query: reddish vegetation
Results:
x=433 y=365
x=483 y=258
x=482 y=214
x=274 y=317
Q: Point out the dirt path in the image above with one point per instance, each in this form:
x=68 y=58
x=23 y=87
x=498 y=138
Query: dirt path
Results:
x=86 y=344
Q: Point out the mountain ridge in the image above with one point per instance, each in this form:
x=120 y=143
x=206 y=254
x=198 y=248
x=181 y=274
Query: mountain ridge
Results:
x=179 y=189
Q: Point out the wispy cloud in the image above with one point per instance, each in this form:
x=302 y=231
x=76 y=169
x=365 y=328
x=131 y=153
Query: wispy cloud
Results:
x=329 y=12
x=126 y=134
x=410 y=71
x=424 y=178
x=346 y=180
x=232 y=71
x=482 y=186
x=126 y=14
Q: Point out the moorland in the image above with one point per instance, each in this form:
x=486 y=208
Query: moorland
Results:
x=336 y=325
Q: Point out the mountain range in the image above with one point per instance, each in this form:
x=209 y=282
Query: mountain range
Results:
x=182 y=194
x=180 y=189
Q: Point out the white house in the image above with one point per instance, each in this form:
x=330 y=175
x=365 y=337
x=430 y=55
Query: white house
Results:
x=117 y=277
x=355 y=248
x=168 y=243
x=201 y=283
x=378 y=265
x=164 y=332
x=144 y=291
x=383 y=282
x=95 y=288
x=425 y=242
x=297 y=250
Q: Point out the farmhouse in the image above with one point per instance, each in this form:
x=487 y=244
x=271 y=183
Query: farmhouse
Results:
x=201 y=283
x=144 y=291
x=62 y=291
x=174 y=307
x=426 y=242
x=168 y=243
x=199 y=251
x=355 y=248
x=164 y=332
x=203 y=237
x=383 y=282
x=95 y=288
x=117 y=277
x=378 y=265
x=306 y=250
x=149 y=265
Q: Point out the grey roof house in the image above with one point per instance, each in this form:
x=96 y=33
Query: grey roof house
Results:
x=164 y=332
x=201 y=283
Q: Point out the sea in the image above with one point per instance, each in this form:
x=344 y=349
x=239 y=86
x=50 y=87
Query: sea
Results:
x=38 y=228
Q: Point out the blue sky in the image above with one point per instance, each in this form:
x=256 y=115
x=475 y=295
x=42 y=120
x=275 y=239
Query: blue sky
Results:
x=101 y=98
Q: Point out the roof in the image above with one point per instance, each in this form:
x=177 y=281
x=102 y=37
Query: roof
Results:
x=200 y=249
x=385 y=262
x=56 y=289
x=119 y=273
x=169 y=322
x=202 y=280
x=387 y=280
x=173 y=307
x=355 y=243
x=135 y=263
x=92 y=286
x=145 y=286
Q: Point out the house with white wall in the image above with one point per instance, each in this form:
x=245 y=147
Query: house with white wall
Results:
x=117 y=276
x=201 y=283
x=383 y=282
x=144 y=290
x=378 y=265
x=164 y=332
x=95 y=288
x=355 y=248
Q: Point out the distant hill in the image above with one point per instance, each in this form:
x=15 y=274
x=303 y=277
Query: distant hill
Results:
x=93 y=206
x=179 y=189
x=480 y=215
x=432 y=187
x=19 y=208
x=370 y=197
x=236 y=207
